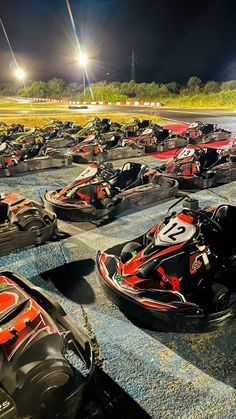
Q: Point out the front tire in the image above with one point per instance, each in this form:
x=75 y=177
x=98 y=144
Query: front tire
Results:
x=219 y=297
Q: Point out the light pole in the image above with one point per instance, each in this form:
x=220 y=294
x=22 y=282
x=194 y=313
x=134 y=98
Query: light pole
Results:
x=83 y=59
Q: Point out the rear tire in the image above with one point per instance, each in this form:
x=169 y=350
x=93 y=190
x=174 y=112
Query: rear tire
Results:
x=128 y=249
x=31 y=219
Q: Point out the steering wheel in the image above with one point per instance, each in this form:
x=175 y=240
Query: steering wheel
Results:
x=204 y=218
x=107 y=171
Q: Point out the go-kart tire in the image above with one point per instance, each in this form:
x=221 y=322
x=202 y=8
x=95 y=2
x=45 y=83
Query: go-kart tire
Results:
x=219 y=297
x=126 y=252
x=31 y=219
x=107 y=202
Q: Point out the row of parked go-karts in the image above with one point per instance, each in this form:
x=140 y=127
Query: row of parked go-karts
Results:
x=57 y=143
x=177 y=276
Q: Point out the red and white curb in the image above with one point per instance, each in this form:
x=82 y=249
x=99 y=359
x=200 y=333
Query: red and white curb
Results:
x=72 y=102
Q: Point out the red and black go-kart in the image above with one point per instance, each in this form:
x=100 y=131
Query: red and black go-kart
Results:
x=16 y=159
x=197 y=133
x=40 y=351
x=99 y=148
x=195 y=167
x=158 y=138
x=102 y=192
x=24 y=222
x=180 y=275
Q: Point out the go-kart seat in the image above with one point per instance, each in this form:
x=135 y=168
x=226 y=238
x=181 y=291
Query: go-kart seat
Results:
x=207 y=128
x=162 y=134
x=225 y=216
x=209 y=158
x=129 y=176
x=113 y=141
x=4 y=211
x=144 y=124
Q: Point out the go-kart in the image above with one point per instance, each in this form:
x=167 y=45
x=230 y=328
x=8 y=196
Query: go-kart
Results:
x=94 y=125
x=195 y=167
x=103 y=147
x=101 y=192
x=180 y=275
x=24 y=222
x=58 y=134
x=198 y=133
x=134 y=127
x=16 y=130
x=38 y=376
x=15 y=159
x=72 y=136
x=157 y=138
x=31 y=138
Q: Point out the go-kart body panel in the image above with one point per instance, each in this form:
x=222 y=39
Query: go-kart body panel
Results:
x=159 y=139
x=35 y=335
x=162 y=288
x=199 y=133
x=92 y=153
x=14 y=233
x=200 y=168
x=76 y=201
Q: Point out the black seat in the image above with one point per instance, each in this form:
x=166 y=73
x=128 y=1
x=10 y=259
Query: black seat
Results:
x=223 y=241
x=4 y=210
x=129 y=176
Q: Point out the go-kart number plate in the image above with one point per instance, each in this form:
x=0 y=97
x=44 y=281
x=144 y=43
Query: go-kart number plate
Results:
x=176 y=231
x=194 y=125
x=88 y=173
x=147 y=131
x=186 y=152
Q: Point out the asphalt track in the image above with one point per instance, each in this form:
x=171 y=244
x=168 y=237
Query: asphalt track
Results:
x=225 y=119
x=169 y=375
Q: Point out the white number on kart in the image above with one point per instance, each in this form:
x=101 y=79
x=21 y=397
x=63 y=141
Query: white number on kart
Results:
x=175 y=232
x=186 y=152
x=147 y=131
x=194 y=125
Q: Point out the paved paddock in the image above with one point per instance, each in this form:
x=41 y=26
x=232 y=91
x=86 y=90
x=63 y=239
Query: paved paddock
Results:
x=169 y=375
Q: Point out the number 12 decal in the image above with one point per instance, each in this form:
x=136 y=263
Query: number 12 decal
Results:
x=176 y=231
x=181 y=230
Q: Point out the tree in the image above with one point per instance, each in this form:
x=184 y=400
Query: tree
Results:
x=193 y=82
x=38 y=89
x=55 y=87
x=162 y=91
x=228 y=85
x=211 y=87
x=173 y=87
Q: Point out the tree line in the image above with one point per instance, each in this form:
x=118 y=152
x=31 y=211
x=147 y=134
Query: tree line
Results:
x=116 y=91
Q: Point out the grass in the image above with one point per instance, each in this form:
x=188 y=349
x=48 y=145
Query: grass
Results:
x=32 y=120
x=221 y=100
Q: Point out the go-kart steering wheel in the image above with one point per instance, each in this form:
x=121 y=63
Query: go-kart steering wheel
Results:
x=204 y=218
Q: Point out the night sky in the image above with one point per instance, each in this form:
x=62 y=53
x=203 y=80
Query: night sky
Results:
x=173 y=39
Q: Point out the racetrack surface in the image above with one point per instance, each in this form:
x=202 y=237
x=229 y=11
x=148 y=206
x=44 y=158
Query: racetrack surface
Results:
x=169 y=375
